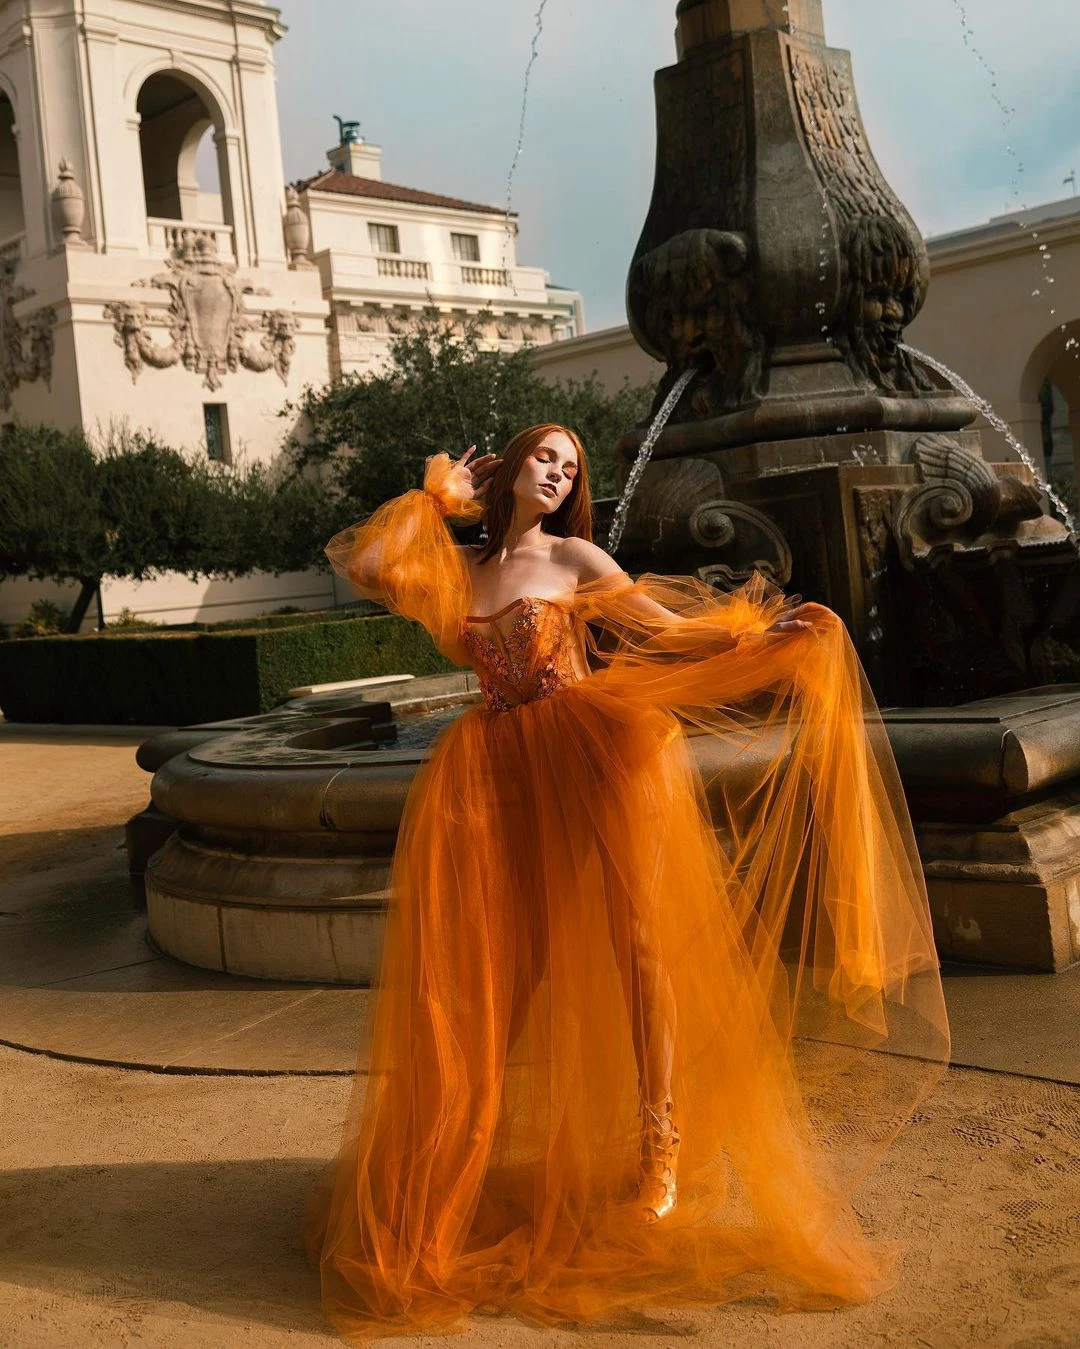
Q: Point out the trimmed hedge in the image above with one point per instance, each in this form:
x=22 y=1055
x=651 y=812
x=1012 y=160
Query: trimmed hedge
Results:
x=178 y=678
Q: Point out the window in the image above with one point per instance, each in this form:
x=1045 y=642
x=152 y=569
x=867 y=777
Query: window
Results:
x=466 y=247
x=216 y=425
x=384 y=238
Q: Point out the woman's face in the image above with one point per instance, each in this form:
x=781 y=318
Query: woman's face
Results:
x=547 y=475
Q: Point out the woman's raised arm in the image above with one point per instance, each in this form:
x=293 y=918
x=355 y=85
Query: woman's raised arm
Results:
x=404 y=555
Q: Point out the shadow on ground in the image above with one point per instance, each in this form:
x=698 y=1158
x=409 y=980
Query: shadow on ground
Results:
x=217 y=1236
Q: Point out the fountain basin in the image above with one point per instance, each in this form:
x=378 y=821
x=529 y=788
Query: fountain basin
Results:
x=278 y=830
x=278 y=833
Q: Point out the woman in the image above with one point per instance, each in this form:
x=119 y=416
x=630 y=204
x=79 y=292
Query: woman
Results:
x=655 y=989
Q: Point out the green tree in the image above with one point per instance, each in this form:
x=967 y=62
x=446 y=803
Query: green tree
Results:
x=137 y=509
x=442 y=391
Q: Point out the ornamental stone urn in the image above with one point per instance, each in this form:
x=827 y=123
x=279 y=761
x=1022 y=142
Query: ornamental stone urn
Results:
x=68 y=208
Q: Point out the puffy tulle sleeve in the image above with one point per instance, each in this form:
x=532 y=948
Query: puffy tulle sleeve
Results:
x=405 y=552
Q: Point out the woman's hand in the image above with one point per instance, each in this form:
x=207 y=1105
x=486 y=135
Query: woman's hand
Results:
x=472 y=477
x=792 y=622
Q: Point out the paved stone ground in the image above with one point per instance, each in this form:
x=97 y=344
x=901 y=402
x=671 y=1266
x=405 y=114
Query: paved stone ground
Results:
x=148 y=1209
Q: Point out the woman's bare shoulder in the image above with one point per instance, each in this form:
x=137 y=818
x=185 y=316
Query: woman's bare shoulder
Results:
x=588 y=560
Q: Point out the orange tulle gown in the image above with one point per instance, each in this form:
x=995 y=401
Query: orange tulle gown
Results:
x=677 y=849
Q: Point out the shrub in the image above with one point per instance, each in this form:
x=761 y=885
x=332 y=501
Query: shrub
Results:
x=44 y=620
x=129 y=621
x=175 y=678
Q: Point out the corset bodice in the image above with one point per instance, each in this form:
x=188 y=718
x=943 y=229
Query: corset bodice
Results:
x=528 y=650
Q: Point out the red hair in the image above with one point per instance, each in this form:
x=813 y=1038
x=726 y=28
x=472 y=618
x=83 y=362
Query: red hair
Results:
x=573 y=519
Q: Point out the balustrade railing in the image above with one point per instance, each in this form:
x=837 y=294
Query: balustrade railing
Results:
x=180 y=237
x=485 y=276
x=405 y=269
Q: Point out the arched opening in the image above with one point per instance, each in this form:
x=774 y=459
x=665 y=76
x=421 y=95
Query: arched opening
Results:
x=185 y=171
x=1057 y=440
x=12 y=223
x=1052 y=379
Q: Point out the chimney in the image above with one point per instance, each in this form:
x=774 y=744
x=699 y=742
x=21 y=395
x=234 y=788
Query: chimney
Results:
x=358 y=158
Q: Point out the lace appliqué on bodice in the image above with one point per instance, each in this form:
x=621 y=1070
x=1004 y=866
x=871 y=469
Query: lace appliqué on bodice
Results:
x=535 y=656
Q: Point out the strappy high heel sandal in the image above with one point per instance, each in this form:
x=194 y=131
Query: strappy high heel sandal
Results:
x=660 y=1139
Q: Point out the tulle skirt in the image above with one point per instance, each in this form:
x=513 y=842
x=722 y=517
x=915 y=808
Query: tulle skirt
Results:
x=632 y=867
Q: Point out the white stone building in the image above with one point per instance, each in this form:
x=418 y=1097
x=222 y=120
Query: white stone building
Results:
x=387 y=253
x=132 y=296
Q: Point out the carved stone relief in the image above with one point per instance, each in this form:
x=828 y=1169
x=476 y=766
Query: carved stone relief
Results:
x=693 y=298
x=26 y=345
x=961 y=504
x=885 y=271
x=884 y=288
x=834 y=134
x=681 y=514
x=210 y=330
x=988 y=591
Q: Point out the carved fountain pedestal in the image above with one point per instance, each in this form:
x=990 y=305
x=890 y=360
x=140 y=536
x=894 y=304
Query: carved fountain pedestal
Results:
x=777 y=264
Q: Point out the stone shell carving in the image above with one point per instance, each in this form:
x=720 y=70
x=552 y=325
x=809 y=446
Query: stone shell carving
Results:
x=961 y=504
x=681 y=516
x=26 y=345
x=210 y=330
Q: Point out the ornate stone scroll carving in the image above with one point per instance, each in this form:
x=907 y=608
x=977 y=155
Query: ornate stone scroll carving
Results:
x=210 y=330
x=26 y=345
x=682 y=512
x=750 y=542
x=962 y=505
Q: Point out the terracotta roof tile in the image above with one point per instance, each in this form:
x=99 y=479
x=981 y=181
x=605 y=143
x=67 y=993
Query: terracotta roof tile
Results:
x=334 y=180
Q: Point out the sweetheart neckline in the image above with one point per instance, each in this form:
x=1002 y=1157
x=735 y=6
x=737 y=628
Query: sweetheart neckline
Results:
x=499 y=613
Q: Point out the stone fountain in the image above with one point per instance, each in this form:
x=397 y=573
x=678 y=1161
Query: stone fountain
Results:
x=777 y=263
x=778 y=266
x=811 y=445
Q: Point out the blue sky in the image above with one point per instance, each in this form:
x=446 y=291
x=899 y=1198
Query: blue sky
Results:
x=438 y=83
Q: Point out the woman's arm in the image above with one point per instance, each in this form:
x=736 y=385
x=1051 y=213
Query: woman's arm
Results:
x=369 y=555
x=404 y=554
x=666 y=627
